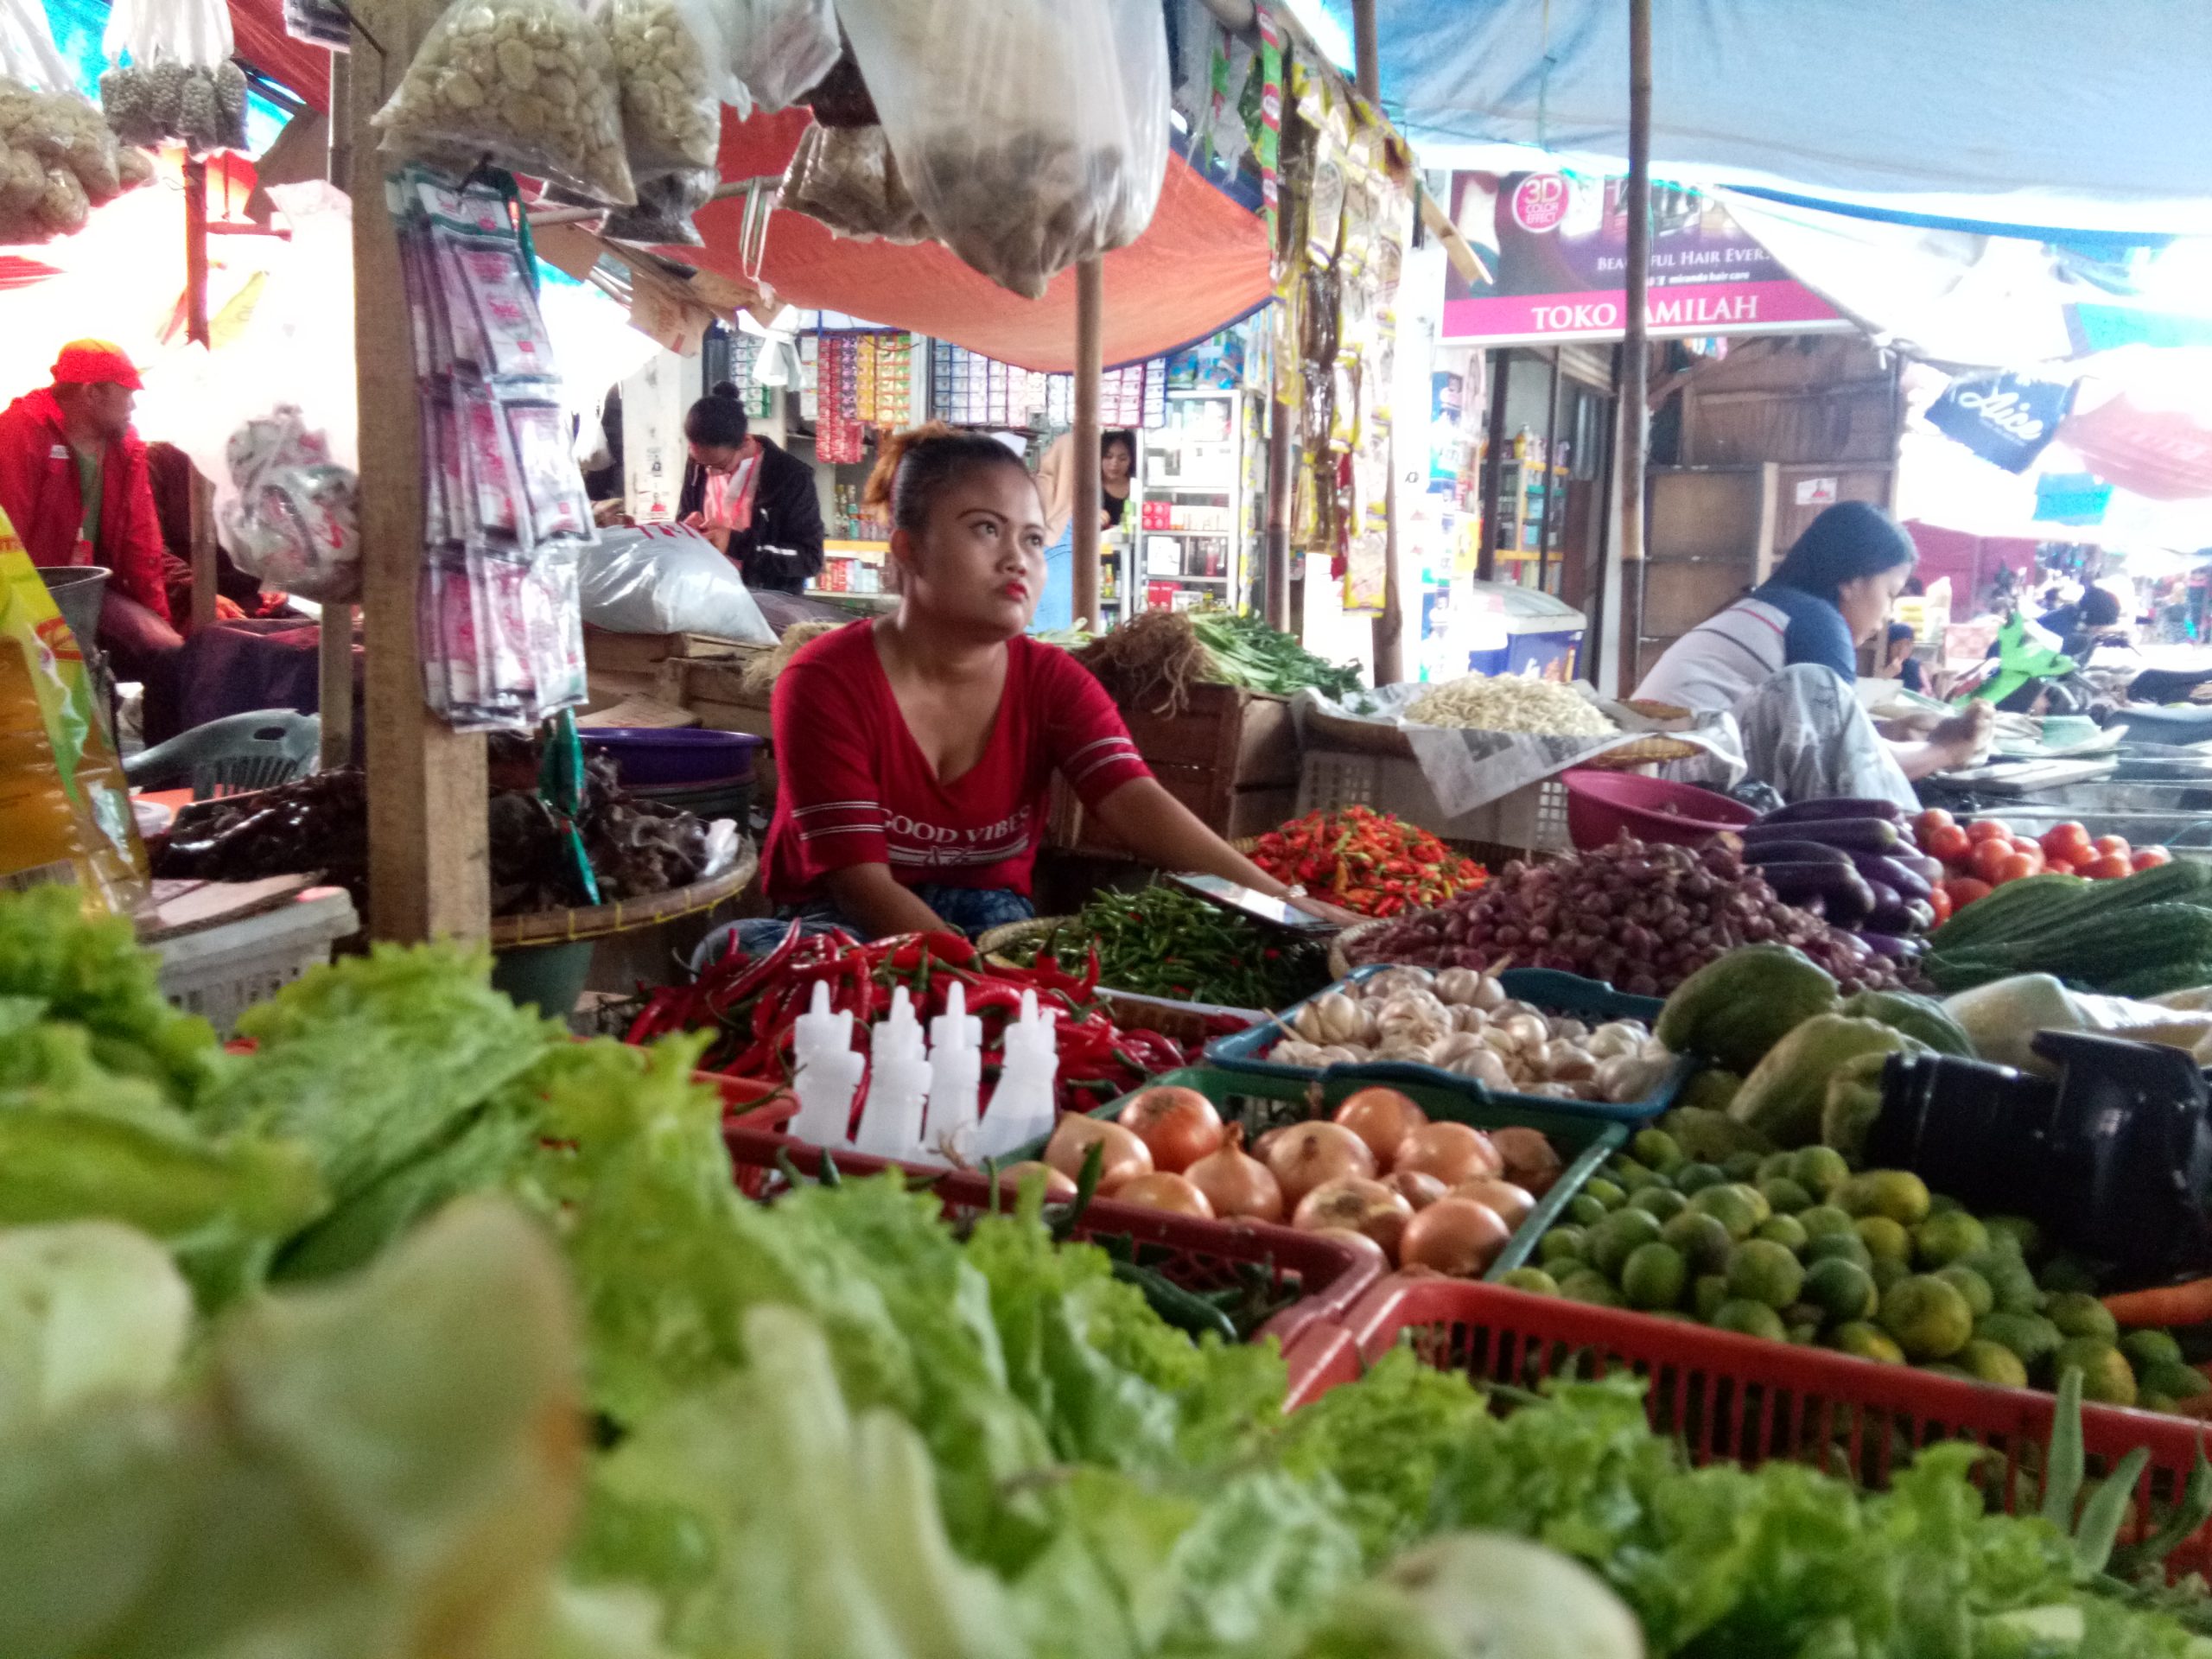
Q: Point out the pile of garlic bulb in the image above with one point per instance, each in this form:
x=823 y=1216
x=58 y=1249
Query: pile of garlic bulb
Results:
x=1464 y=1022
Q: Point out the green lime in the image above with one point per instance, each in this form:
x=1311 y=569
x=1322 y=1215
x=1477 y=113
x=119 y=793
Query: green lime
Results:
x=1944 y=1368
x=1886 y=1241
x=1843 y=1290
x=1941 y=1204
x=2077 y=1313
x=1695 y=1177
x=1940 y=1240
x=1657 y=1150
x=2023 y=1233
x=1561 y=1241
x=1708 y=1293
x=1760 y=1270
x=1661 y=1201
x=1823 y=1220
x=1703 y=1240
x=1930 y=1318
x=1587 y=1285
x=1731 y=1207
x=1784 y=1196
x=1866 y=1342
x=1753 y=1197
x=2067 y=1272
x=1531 y=1279
x=1742 y=1166
x=2175 y=1380
x=1750 y=1319
x=1818 y=1170
x=1980 y=1299
x=1654 y=1276
x=1992 y=1361
x=1586 y=1212
x=1606 y=1192
x=2010 y=1280
x=1804 y=1334
x=1898 y=1193
x=1839 y=1247
x=2031 y=1338
x=1774 y=1166
x=2151 y=1347
x=1887 y=1272
x=1633 y=1178
x=1613 y=1241
x=1783 y=1230
x=2105 y=1376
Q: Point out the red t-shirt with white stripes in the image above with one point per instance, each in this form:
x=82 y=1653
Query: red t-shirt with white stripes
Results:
x=853 y=787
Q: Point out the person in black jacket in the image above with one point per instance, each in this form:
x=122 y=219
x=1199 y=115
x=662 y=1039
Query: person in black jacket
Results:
x=752 y=499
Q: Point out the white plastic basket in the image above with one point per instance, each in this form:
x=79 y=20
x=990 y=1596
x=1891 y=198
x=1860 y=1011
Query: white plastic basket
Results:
x=1533 y=817
x=219 y=972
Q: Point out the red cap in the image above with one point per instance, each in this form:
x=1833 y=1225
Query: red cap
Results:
x=95 y=362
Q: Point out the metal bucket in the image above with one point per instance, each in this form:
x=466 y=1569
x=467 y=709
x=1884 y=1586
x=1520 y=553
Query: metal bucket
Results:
x=80 y=591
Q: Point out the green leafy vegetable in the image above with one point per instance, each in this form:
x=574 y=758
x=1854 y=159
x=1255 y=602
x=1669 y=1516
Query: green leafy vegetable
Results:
x=88 y=1311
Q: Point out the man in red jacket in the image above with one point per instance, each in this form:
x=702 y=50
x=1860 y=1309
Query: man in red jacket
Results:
x=73 y=481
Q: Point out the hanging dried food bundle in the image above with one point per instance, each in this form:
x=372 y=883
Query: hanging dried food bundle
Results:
x=1032 y=135
x=666 y=204
x=529 y=84
x=171 y=77
x=664 y=52
x=58 y=162
x=847 y=179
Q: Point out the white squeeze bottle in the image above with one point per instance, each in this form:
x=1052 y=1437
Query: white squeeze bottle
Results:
x=898 y=1085
x=1021 y=1106
x=955 y=1081
x=829 y=1072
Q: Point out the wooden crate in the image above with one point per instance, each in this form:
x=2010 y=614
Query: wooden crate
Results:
x=619 y=665
x=1231 y=757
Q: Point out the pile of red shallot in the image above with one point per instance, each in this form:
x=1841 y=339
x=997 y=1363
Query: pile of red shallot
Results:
x=1440 y=1196
x=1641 y=916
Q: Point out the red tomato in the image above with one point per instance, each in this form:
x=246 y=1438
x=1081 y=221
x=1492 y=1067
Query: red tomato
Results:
x=1928 y=823
x=1986 y=858
x=2065 y=866
x=2067 y=840
x=2029 y=850
x=1964 y=890
x=1989 y=830
x=2111 y=845
x=2145 y=858
x=1939 y=900
x=2109 y=867
x=2017 y=868
x=1948 y=842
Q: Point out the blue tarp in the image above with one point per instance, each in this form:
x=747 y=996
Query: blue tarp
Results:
x=2044 y=115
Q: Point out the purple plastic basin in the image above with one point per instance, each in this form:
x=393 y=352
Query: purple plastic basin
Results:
x=646 y=757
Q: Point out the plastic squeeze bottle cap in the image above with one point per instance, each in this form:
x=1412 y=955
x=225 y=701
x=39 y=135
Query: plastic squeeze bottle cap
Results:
x=955 y=1081
x=899 y=1084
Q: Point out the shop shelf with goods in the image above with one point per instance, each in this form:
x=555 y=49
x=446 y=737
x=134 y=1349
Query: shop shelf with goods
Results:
x=1193 y=519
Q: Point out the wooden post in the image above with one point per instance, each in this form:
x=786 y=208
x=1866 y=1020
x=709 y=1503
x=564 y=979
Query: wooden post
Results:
x=1634 y=358
x=1551 y=459
x=429 y=874
x=1283 y=462
x=1089 y=311
x=334 y=639
x=202 y=495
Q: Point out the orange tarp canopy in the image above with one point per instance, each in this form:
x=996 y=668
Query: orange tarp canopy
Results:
x=1201 y=266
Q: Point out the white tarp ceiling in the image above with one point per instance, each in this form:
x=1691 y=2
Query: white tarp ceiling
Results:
x=2011 y=112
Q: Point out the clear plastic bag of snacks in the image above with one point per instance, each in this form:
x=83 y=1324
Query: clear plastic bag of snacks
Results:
x=529 y=84
x=171 y=76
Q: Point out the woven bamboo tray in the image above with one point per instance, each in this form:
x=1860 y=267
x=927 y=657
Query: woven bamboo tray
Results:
x=1326 y=731
x=557 y=926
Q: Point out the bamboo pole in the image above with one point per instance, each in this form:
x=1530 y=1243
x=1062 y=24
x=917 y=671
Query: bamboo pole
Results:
x=1634 y=358
x=1390 y=624
x=334 y=639
x=1090 y=310
x=202 y=496
x=429 y=871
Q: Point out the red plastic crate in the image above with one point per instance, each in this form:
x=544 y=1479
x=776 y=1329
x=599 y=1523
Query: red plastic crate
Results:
x=1729 y=1396
x=1194 y=1254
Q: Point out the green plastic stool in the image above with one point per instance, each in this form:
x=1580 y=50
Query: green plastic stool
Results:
x=232 y=755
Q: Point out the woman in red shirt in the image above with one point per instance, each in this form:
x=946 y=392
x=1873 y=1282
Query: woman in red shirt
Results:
x=915 y=752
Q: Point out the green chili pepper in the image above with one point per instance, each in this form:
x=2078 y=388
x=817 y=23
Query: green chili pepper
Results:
x=2101 y=1515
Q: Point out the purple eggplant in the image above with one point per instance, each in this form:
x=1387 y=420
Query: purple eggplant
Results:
x=1885 y=871
x=1846 y=894
x=1834 y=807
x=1794 y=852
x=1894 y=946
x=1851 y=835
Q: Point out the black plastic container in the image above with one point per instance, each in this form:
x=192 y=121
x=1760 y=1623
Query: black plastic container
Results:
x=2113 y=1159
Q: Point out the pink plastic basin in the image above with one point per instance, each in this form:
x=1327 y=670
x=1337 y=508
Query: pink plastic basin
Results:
x=1600 y=804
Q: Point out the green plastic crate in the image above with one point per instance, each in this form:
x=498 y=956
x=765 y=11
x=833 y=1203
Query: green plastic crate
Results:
x=1260 y=1103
